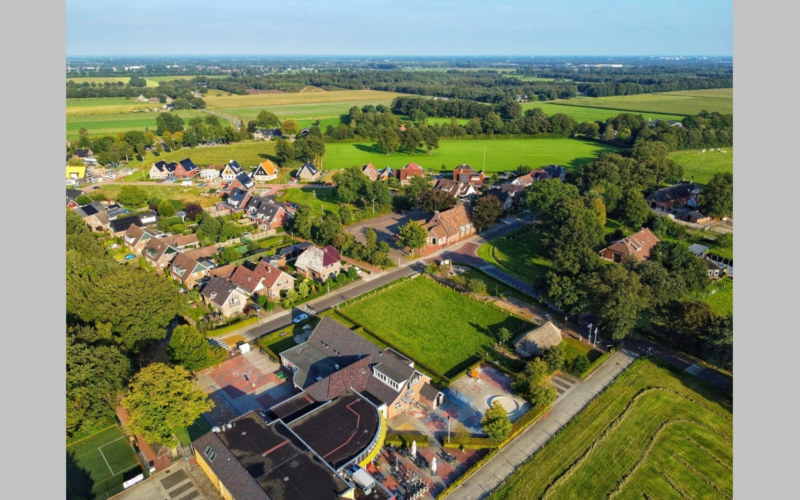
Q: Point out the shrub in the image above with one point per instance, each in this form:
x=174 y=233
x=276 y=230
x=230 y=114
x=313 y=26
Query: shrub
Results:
x=554 y=357
x=405 y=439
x=580 y=364
x=83 y=200
x=177 y=228
x=431 y=269
x=341 y=278
x=477 y=286
x=271 y=306
x=262 y=300
x=352 y=273
x=495 y=422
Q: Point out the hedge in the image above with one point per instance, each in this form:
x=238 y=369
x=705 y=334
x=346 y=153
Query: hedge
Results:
x=231 y=327
x=463 y=477
x=406 y=438
x=597 y=362
x=522 y=423
x=472 y=443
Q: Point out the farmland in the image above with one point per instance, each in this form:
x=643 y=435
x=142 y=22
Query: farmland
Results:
x=588 y=114
x=224 y=101
x=105 y=105
x=689 y=102
x=703 y=166
x=110 y=124
x=653 y=433
x=152 y=81
x=501 y=155
x=421 y=317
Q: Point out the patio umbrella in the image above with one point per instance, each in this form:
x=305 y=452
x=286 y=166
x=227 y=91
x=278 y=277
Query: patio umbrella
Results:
x=433 y=466
x=414 y=448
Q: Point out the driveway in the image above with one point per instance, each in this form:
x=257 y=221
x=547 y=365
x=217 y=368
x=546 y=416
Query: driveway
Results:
x=387 y=227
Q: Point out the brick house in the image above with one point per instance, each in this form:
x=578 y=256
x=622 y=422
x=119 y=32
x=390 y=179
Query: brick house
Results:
x=241 y=181
x=224 y=295
x=636 y=246
x=266 y=171
x=449 y=227
x=319 y=264
x=465 y=173
x=263 y=280
x=136 y=238
x=370 y=171
x=235 y=202
x=336 y=359
x=405 y=174
x=185 y=169
x=267 y=213
x=187 y=270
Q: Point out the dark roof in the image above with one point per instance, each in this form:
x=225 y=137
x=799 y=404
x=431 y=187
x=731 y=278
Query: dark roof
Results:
x=187 y=164
x=293 y=408
x=83 y=153
x=235 y=164
x=294 y=248
x=123 y=223
x=245 y=180
x=237 y=199
x=72 y=194
x=264 y=208
x=228 y=469
x=676 y=192
x=428 y=391
x=89 y=209
x=308 y=166
x=217 y=290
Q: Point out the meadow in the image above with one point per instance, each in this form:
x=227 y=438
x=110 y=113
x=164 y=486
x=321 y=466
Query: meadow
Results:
x=163 y=191
x=501 y=155
x=588 y=114
x=110 y=124
x=688 y=102
x=220 y=100
x=703 y=166
x=654 y=433
x=152 y=81
x=432 y=324
x=105 y=105
x=721 y=301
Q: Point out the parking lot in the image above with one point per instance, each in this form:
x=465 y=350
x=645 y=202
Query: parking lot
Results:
x=387 y=227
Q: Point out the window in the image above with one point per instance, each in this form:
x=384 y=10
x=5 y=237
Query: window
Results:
x=398 y=406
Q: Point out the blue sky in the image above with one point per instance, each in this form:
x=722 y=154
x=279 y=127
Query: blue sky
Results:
x=406 y=27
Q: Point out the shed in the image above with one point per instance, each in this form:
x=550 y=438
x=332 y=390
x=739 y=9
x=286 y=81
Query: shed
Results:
x=537 y=340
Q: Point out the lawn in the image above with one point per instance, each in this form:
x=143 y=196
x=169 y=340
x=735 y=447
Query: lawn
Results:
x=688 y=102
x=494 y=287
x=166 y=191
x=574 y=348
x=520 y=253
x=721 y=301
x=440 y=329
x=321 y=200
x=653 y=433
x=589 y=114
x=703 y=166
x=111 y=123
x=266 y=100
x=501 y=154
x=98 y=465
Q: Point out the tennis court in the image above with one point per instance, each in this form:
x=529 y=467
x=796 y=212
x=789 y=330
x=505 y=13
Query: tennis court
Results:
x=98 y=465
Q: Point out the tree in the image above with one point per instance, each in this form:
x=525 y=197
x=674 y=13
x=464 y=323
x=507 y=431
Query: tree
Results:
x=473 y=127
x=163 y=399
x=431 y=139
x=632 y=208
x=411 y=139
x=227 y=255
x=599 y=208
x=503 y=335
x=573 y=234
x=168 y=122
x=190 y=349
x=378 y=191
x=413 y=235
x=290 y=127
x=165 y=209
x=309 y=148
x=75 y=224
x=541 y=195
x=83 y=200
x=679 y=261
x=193 y=210
x=476 y=286
x=132 y=196
x=492 y=123
x=619 y=297
x=580 y=364
x=284 y=151
x=388 y=140
x=416 y=185
x=303 y=289
x=717 y=197
x=486 y=212
x=326 y=231
x=543 y=394
x=435 y=200
x=265 y=119
x=495 y=422
x=554 y=357
x=718 y=343
x=75 y=162
x=303 y=221
x=350 y=184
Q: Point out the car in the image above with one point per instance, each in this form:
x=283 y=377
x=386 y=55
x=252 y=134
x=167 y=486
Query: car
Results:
x=401 y=211
x=358 y=270
x=130 y=256
x=300 y=318
x=202 y=184
x=96 y=187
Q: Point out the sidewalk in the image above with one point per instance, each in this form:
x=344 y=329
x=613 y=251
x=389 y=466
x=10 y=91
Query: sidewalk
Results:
x=507 y=460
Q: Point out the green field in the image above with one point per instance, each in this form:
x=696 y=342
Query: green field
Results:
x=304 y=111
x=98 y=465
x=520 y=254
x=225 y=101
x=105 y=105
x=721 y=301
x=421 y=317
x=703 y=166
x=152 y=81
x=587 y=114
x=110 y=124
x=501 y=154
x=322 y=201
x=248 y=154
x=652 y=434
x=163 y=191
x=689 y=102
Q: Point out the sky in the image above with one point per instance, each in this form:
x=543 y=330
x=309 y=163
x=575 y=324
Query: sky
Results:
x=401 y=28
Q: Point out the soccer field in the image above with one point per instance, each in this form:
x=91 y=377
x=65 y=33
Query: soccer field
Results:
x=98 y=465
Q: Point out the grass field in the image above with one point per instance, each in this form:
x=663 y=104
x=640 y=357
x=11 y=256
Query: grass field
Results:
x=185 y=194
x=588 y=114
x=266 y=100
x=324 y=110
x=574 y=348
x=703 y=166
x=501 y=155
x=721 y=301
x=519 y=253
x=652 y=434
x=433 y=324
x=98 y=465
x=106 y=105
x=689 y=102
x=248 y=154
x=152 y=81
x=111 y=123
x=322 y=201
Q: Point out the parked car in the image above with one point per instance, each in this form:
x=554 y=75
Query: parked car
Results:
x=130 y=256
x=300 y=318
x=96 y=187
x=358 y=270
x=401 y=211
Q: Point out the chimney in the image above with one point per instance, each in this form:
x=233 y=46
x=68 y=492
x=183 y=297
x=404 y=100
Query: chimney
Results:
x=436 y=213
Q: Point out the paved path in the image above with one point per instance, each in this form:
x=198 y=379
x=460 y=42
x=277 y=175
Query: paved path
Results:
x=507 y=460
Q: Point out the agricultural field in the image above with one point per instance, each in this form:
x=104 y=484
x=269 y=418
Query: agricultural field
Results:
x=105 y=105
x=653 y=433
x=703 y=166
x=325 y=110
x=587 y=114
x=110 y=124
x=98 y=465
x=223 y=101
x=518 y=253
x=688 y=102
x=431 y=317
x=501 y=155
x=152 y=81
x=721 y=301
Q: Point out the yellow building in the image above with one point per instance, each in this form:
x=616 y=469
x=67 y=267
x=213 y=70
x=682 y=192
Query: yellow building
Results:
x=76 y=172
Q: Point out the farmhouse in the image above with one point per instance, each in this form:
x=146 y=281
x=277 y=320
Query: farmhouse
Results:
x=224 y=295
x=319 y=264
x=266 y=171
x=465 y=174
x=370 y=171
x=670 y=198
x=308 y=173
x=448 y=227
x=454 y=188
x=335 y=359
x=534 y=342
x=636 y=246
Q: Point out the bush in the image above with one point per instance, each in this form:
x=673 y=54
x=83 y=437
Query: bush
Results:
x=580 y=364
x=341 y=278
x=405 y=439
x=477 y=286
x=83 y=200
x=495 y=422
x=352 y=273
x=271 y=306
x=177 y=228
x=554 y=357
x=262 y=300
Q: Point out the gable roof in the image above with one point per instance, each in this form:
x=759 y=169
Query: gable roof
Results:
x=308 y=167
x=270 y=273
x=187 y=165
x=451 y=221
x=264 y=208
x=454 y=188
x=245 y=180
x=223 y=271
x=184 y=266
x=123 y=223
x=156 y=248
x=218 y=290
x=184 y=240
x=237 y=199
x=246 y=279
x=679 y=191
x=203 y=252
x=637 y=245
x=370 y=171
x=267 y=167
x=316 y=259
x=539 y=339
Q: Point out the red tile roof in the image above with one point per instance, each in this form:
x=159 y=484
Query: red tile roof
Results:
x=637 y=245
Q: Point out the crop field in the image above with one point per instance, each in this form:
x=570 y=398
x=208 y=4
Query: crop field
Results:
x=110 y=124
x=586 y=114
x=653 y=433
x=266 y=100
x=304 y=111
x=501 y=155
x=98 y=465
x=687 y=102
x=433 y=316
x=703 y=166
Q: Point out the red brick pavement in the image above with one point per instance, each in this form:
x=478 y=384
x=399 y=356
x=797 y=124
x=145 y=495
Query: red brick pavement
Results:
x=238 y=377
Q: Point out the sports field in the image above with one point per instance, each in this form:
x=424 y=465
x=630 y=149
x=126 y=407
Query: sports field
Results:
x=248 y=101
x=98 y=465
x=586 y=114
x=688 y=102
x=110 y=124
x=653 y=433
x=501 y=154
x=703 y=166
x=432 y=324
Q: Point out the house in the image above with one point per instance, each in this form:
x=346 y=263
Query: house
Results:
x=235 y=202
x=405 y=174
x=508 y=194
x=159 y=253
x=556 y=172
x=698 y=249
x=714 y=269
x=696 y=217
x=119 y=226
x=370 y=171
x=154 y=100
x=670 y=198
x=266 y=134
x=224 y=295
x=455 y=189
x=135 y=238
x=202 y=252
x=292 y=251
x=162 y=170
x=141 y=98
x=386 y=174
x=671 y=123
x=465 y=173
x=242 y=182
x=222 y=271
x=267 y=213
x=209 y=174
x=187 y=270
x=95 y=216
x=266 y=171
x=529 y=178
x=450 y=226
x=636 y=246
x=534 y=342
x=265 y=279
x=230 y=171
x=185 y=169
x=76 y=173
x=308 y=173
x=319 y=264
x=72 y=197
x=183 y=242
x=335 y=359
